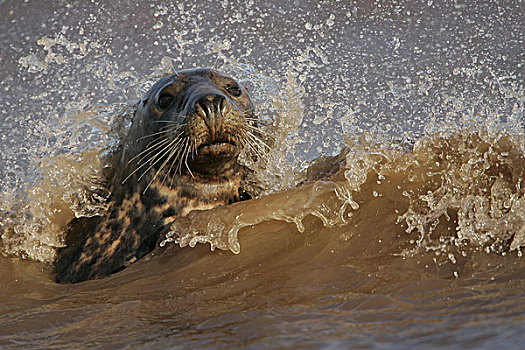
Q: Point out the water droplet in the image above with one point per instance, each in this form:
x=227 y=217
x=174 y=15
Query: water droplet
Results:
x=158 y=25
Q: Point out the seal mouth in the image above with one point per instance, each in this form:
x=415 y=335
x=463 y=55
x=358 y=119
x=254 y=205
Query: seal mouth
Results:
x=218 y=148
x=214 y=158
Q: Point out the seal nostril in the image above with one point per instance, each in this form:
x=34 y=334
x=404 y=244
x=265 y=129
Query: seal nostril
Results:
x=202 y=108
x=211 y=108
x=222 y=105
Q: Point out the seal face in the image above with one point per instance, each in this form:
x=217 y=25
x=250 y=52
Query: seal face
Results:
x=180 y=155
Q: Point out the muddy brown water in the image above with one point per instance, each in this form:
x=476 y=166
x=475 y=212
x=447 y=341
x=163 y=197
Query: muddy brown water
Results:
x=354 y=278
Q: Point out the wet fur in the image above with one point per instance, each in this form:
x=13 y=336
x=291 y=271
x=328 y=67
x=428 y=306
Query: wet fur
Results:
x=145 y=201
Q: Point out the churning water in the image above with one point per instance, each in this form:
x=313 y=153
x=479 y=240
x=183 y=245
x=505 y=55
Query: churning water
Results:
x=391 y=212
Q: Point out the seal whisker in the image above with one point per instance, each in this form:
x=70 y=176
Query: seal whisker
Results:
x=245 y=145
x=172 y=152
x=251 y=146
x=170 y=128
x=153 y=153
x=258 y=121
x=166 y=130
x=150 y=149
x=156 y=156
x=157 y=143
x=260 y=131
x=186 y=160
x=253 y=153
x=176 y=150
x=256 y=146
x=179 y=152
x=183 y=148
x=257 y=140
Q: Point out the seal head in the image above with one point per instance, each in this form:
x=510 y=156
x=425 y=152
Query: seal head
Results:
x=181 y=154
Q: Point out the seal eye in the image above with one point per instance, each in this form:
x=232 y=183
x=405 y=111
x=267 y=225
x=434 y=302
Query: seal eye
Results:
x=165 y=101
x=233 y=90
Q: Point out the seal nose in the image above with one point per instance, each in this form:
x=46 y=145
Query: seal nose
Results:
x=210 y=107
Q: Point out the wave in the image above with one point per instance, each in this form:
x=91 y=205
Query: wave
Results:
x=447 y=194
x=453 y=193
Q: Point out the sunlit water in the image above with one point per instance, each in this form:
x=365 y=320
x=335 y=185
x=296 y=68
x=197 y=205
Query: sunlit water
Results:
x=408 y=231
